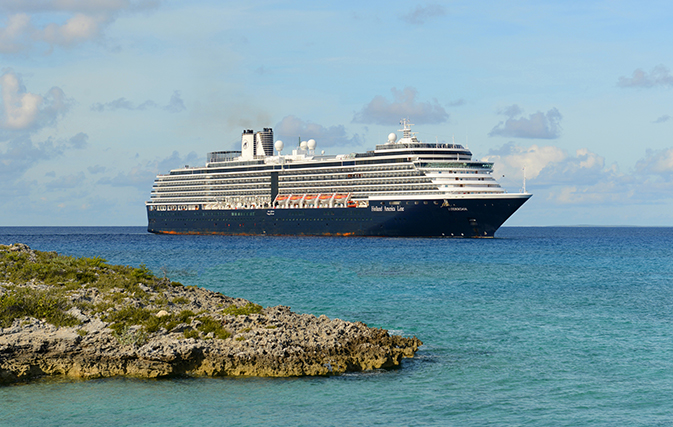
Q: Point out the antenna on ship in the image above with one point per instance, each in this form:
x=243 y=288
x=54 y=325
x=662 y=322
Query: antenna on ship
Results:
x=524 y=179
x=406 y=129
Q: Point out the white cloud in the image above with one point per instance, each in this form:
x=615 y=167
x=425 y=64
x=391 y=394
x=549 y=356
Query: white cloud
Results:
x=22 y=114
x=291 y=128
x=85 y=21
x=381 y=111
x=559 y=177
x=659 y=76
x=77 y=29
x=511 y=159
x=22 y=110
x=657 y=163
x=598 y=194
x=16 y=35
x=537 y=126
x=582 y=179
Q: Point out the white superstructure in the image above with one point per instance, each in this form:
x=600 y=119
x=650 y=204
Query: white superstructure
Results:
x=404 y=169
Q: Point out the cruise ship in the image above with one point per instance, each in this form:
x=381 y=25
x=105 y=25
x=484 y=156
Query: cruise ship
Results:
x=403 y=188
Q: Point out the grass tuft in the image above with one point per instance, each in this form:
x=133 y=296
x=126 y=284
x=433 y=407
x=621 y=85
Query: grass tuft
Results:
x=48 y=305
x=249 y=308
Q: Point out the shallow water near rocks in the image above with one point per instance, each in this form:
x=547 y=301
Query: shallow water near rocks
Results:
x=539 y=326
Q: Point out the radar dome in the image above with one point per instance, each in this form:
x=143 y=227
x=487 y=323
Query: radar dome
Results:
x=392 y=137
x=311 y=144
x=303 y=145
x=279 y=145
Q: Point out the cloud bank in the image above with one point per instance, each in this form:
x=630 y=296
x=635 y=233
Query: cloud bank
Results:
x=175 y=105
x=659 y=76
x=22 y=114
x=657 y=164
x=291 y=128
x=62 y=23
x=381 y=111
x=22 y=110
x=583 y=178
x=537 y=126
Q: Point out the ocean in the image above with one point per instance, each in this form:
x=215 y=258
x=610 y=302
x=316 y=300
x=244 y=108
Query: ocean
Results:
x=558 y=326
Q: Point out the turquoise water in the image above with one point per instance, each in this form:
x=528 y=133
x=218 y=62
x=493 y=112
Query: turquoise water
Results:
x=539 y=326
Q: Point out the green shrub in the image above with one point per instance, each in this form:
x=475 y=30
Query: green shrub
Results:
x=127 y=316
x=180 y=300
x=208 y=325
x=126 y=336
x=185 y=316
x=153 y=323
x=142 y=274
x=191 y=333
x=48 y=305
x=249 y=308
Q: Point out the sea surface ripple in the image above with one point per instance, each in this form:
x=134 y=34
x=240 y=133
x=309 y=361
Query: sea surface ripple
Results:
x=560 y=326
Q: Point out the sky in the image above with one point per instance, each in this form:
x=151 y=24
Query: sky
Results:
x=99 y=96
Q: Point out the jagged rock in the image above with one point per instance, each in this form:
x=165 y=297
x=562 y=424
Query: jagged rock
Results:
x=273 y=342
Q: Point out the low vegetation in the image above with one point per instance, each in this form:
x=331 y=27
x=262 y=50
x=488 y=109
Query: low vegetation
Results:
x=130 y=299
x=246 y=310
x=41 y=304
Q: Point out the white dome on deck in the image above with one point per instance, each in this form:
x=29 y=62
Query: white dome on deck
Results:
x=279 y=145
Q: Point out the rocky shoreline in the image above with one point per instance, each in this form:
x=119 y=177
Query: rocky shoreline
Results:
x=82 y=318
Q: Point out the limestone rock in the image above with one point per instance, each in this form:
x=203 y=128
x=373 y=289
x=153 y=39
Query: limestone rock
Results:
x=196 y=334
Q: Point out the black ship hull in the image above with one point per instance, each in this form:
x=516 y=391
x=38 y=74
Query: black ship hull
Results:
x=417 y=218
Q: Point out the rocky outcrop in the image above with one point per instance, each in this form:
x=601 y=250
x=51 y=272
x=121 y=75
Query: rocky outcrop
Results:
x=173 y=330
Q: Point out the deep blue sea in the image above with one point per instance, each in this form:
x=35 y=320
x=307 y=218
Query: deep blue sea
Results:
x=540 y=326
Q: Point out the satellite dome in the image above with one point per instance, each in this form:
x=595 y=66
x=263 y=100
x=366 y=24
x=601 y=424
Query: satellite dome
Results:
x=303 y=145
x=392 y=137
x=311 y=144
x=279 y=145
